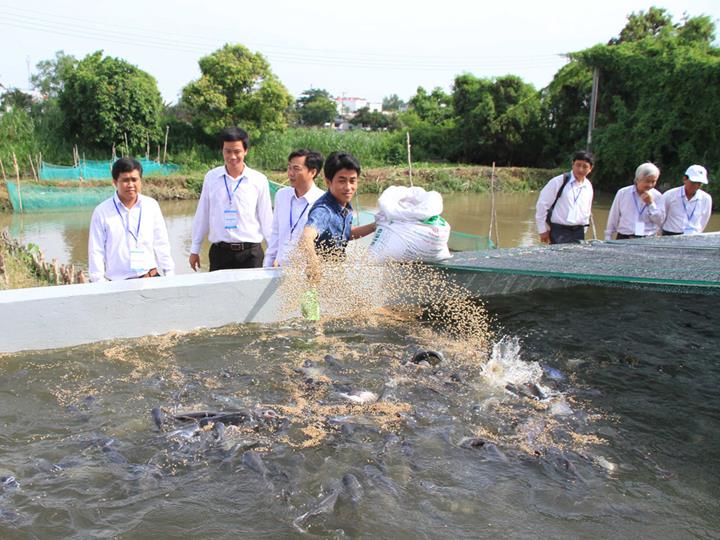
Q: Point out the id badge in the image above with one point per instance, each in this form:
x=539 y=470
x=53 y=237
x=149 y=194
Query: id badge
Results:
x=639 y=228
x=230 y=218
x=137 y=259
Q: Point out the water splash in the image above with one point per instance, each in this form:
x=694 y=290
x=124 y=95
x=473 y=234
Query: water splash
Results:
x=507 y=367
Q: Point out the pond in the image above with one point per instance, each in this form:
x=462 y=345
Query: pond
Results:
x=594 y=414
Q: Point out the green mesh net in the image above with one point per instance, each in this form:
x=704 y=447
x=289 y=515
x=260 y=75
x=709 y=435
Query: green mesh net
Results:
x=99 y=170
x=34 y=197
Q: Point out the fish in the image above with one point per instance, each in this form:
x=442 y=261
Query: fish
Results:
x=433 y=358
x=361 y=397
x=254 y=462
x=158 y=417
x=553 y=373
x=528 y=390
x=352 y=487
x=332 y=362
x=325 y=506
x=9 y=482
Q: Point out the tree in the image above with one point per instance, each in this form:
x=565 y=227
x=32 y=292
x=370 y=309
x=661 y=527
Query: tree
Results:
x=371 y=119
x=52 y=74
x=16 y=99
x=392 y=103
x=430 y=119
x=315 y=107
x=659 y=100
x=104 y=98
x=642 y=25
x=236 y=88
x=498 y=120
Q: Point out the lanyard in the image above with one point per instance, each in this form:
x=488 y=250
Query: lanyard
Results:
x=577 y=194
x=682 y=199
x=127 y=225
x=292 y=227
x=227 y=189
x=637 y=206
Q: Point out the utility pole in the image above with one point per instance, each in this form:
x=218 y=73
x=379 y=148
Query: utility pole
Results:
x=593 y=106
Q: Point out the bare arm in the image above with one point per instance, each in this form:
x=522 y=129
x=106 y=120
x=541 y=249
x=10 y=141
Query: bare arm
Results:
x=362 y=230
x=307 y=247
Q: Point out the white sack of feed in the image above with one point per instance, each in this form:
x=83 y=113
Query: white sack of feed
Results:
x=410 y=227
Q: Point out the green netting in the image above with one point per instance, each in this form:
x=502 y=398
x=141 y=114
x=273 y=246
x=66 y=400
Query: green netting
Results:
x=99 y=170
x=691 y=261
x=38 y=197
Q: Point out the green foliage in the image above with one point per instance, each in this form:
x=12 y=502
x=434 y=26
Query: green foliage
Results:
x=51 y=75
x=499 y=120
x=236 y=88
x=16 y=99
x=566 y=105
x=315 y=107
x=104 y=98
x=17 y=135
x=371 y=148
x=392 y=103
x=373 y=120
x=659 y=101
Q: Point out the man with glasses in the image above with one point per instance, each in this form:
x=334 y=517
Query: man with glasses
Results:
x=292 y=205
x=234 y=209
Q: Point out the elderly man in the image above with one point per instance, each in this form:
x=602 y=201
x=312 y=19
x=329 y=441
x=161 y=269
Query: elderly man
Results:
x=687 y=208
x=292 y=205
x=562 y=212
x=234 y=209
x=637 y=210
x=128 y=238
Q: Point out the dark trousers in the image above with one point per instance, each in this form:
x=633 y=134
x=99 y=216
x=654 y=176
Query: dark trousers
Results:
x=566 y=234
x=230 y=256
x=621 y=236
x=668 y=233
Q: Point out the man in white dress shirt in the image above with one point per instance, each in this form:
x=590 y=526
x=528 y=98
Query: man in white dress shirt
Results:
x=292 y=205
x=637 y=210
x=687 y=208
x=562 y=212
x=128 y=238
x=234 y=210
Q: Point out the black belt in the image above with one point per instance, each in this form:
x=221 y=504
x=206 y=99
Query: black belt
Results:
x=568 y=227
x=670 y=233
x=236 y=246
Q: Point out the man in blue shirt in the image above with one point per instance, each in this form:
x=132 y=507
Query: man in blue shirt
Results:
x=329 y=224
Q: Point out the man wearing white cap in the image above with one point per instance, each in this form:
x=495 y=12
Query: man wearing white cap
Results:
x=687 y=208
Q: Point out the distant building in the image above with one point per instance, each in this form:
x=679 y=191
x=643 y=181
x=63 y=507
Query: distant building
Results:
x=348 y=106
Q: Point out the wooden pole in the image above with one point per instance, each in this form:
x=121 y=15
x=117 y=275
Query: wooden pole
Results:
x=493 y=212
x=147 y=146
x=3 y=171
x=593 y=106
x=158 y=158
x=407 y=133
x=127 y=146
x=17 y=175
x=114 y=154
x=167 y=132
x=32 y=167
x=39 y=163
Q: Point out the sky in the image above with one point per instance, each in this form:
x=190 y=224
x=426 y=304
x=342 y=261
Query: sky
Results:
x=368 y=49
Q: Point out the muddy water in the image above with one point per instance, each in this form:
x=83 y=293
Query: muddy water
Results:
x=581 y=421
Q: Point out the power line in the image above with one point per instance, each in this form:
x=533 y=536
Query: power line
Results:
x=318 y=57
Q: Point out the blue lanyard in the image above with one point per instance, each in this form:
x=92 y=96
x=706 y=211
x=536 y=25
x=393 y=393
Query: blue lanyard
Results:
x=637 y=207
x=227 y=189
x=292 y=227
x=682 y=199
x=127 y=225
x=577 y=194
